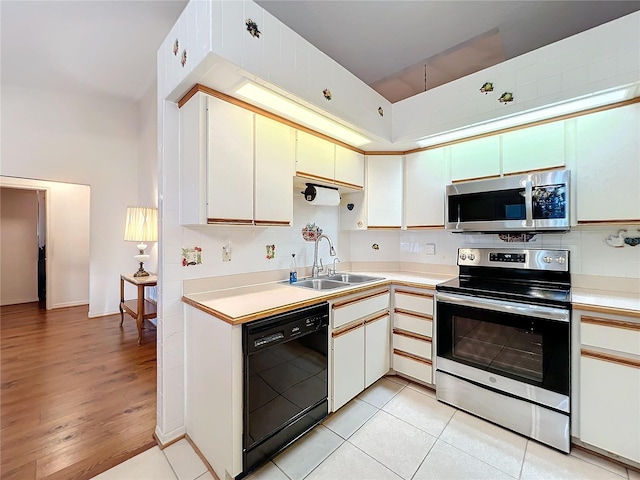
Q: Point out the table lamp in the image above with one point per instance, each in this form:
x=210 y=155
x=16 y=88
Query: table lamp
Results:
x=141 y=226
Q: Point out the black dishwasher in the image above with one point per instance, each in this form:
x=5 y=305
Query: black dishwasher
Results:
x=285 y=380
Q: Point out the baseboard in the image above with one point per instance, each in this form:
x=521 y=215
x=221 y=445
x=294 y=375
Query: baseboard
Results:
x=167 y=444
x=102 y=314
x=204 y=460
x=19 y=301
x=167 y=439
x=70 y=304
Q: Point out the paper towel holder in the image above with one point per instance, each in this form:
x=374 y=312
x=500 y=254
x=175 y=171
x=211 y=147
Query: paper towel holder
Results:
x=311 y=191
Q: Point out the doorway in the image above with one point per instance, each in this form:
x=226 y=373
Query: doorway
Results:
x=23 y=247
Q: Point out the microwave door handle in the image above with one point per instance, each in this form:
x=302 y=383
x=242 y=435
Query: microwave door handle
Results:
x=528 y=203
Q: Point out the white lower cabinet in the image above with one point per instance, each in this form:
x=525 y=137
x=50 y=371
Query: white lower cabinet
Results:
x=348 y=364
x=376 y=348
x=412 y=334
x=213 y=390
x=609 y=384
x=359 y=344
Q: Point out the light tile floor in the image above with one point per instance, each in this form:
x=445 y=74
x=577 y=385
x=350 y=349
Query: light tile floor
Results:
x=393 y=430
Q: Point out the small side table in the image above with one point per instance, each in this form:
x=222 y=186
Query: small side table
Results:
x=141 y=309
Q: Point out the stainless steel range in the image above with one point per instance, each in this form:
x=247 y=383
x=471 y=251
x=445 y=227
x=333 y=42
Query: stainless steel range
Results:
x=503 y=340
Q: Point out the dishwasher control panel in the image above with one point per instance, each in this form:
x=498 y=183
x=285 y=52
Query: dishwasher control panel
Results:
x=281 y=328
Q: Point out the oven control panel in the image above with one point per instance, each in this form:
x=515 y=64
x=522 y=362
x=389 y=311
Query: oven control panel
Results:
x=508 y=257
x=531 y=259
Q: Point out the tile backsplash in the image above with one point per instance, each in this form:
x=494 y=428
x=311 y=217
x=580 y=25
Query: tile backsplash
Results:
x=248 y=243
x=590 y=254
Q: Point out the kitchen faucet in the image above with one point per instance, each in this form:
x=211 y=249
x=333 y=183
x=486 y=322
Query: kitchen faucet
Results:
x=316 y=269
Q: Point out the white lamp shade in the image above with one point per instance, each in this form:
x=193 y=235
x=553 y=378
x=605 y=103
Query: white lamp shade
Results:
x=141 y=224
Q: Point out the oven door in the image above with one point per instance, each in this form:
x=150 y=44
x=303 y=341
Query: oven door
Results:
x=520 y=349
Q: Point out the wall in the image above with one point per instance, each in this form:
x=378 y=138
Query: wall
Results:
x=67 y=239
x=84 y=139
x=19 y=246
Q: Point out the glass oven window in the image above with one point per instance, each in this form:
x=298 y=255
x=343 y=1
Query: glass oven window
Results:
x=501 y=347
x=525 y=348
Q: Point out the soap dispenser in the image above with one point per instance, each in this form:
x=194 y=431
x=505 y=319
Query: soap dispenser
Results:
x=293 y=271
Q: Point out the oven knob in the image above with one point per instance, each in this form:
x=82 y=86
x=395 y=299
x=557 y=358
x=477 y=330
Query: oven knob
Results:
x=463 y=256
x=560 y=260
x=547 y=259
x=472 y=257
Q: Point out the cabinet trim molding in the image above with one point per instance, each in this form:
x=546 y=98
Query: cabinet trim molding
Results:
x=412 y=357
x=415 y=336
x=425 y=227
x=548 y=169
x=234 y=221
x=421 y=316
x=347 y=328
x=344 y=303
x=383 y=227
x=610 y=310
x=260 y=111
x=488 y=177
x=348 y=185
x=607 y=322
x=415 y=294
x=376 y=317
x=273 y=222
x=609 y=222
x=628 y=362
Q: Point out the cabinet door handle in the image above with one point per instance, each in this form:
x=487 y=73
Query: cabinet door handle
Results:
x=183 y=57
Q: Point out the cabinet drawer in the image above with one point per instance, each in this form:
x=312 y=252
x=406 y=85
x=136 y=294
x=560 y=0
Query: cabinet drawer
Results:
x=618 y=335
x=420 y=370
x=412 y=323
x=409 y=344
x=348 y=310
x=414 y=301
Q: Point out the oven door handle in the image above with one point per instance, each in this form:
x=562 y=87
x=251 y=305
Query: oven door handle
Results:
x=515 y=308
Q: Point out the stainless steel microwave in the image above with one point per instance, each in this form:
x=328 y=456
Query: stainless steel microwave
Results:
x=535 y=202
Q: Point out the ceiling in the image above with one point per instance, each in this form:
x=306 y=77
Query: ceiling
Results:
x=109 y=46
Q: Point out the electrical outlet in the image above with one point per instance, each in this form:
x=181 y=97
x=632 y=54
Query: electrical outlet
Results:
x=430 y=249
x=226 y=252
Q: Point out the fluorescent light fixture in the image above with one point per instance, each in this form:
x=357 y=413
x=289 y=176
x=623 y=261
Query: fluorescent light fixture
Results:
x=551 y=111
x=288 y=108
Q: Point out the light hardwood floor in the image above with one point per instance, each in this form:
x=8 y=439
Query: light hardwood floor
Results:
x=78 y=394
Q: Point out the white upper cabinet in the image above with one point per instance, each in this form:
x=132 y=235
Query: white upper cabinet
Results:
x=476 y=158
x=533 y=148
x=229 y=163
x=608 y=165
x=424 y=189
x=274 y=170
x=384 y=191
x=349 y=167
x=236 y=167
x=315 y=157
x=321 y=160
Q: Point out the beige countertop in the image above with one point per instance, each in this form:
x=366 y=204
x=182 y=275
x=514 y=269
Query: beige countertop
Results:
x=244 y=304
x=605 y=299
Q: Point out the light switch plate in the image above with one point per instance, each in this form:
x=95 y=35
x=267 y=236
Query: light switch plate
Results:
x=226 y=254
x=430 y=249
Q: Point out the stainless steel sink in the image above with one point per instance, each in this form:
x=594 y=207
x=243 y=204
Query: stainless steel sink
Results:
x=330 y=282
x=353 y=278
x=320 y=284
